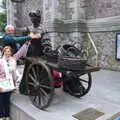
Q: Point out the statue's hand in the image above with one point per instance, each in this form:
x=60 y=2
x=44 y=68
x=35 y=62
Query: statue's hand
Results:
x=38 y=35
x=35 y=36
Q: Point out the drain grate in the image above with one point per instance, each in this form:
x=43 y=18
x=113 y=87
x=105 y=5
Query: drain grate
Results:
x=88 y=114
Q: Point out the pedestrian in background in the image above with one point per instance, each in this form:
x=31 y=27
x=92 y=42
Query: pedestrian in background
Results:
x=10 y=39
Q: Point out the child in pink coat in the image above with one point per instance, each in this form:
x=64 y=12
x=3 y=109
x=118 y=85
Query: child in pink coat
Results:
x=8 y=70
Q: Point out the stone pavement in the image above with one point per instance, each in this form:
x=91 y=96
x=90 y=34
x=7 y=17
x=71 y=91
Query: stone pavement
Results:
x=103 y=96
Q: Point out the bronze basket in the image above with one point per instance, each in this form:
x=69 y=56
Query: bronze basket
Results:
x=72 y=63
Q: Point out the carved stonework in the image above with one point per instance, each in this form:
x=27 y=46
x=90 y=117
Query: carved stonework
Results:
x=48 y=4
x=65 y=10
x=48 y=10
x=102 y=8
x=18 y=15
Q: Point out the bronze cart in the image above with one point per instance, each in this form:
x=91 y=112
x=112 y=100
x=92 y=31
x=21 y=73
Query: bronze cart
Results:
x=40 y=83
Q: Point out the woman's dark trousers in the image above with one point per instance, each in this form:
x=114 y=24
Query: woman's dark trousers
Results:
x=5 y=104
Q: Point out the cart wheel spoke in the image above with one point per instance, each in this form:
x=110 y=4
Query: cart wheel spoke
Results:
x=39 y=100
x=34 y=98
x=31 y=83
x=42 y=100
x=44 y=86
x=34 y=74
x=41 y=71
x=38 y=71
x=45 y=93
x=82 y=80
x=85 y=83
x=32 y=78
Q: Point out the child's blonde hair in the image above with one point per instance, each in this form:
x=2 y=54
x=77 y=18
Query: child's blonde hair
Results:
x=5 y=48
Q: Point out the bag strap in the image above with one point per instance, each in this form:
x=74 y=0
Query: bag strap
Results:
x=7 y=73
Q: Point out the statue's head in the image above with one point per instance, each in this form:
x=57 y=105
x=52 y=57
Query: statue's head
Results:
x=35 y=17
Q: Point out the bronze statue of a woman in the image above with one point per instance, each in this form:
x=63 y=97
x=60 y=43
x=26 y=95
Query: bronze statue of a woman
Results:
x=38 y=46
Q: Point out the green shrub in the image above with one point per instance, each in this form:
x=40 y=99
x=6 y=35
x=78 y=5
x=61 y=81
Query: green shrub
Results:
x=2 y=21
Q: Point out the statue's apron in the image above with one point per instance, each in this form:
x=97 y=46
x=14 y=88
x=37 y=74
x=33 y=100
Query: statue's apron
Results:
x=34 y=50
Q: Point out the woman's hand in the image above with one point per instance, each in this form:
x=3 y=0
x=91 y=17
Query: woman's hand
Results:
x=14 y=91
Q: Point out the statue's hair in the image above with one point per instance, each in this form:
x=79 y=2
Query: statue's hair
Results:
x=35 y=18
x=36 y=13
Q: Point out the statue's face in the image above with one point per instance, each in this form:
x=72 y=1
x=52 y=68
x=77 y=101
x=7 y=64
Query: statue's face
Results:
x=35 y=18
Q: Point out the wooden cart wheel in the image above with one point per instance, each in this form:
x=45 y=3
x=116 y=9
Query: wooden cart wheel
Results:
x=39 y=84
x=77 y=84
x=85 y=81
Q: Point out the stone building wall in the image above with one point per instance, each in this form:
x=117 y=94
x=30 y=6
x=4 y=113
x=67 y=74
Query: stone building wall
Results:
x=102 y=8
x=103 y=22
x=105 y=42
x=69 y=21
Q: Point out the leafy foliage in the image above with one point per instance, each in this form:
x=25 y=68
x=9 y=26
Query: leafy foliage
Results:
x=3 y=17
x=2 y=21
